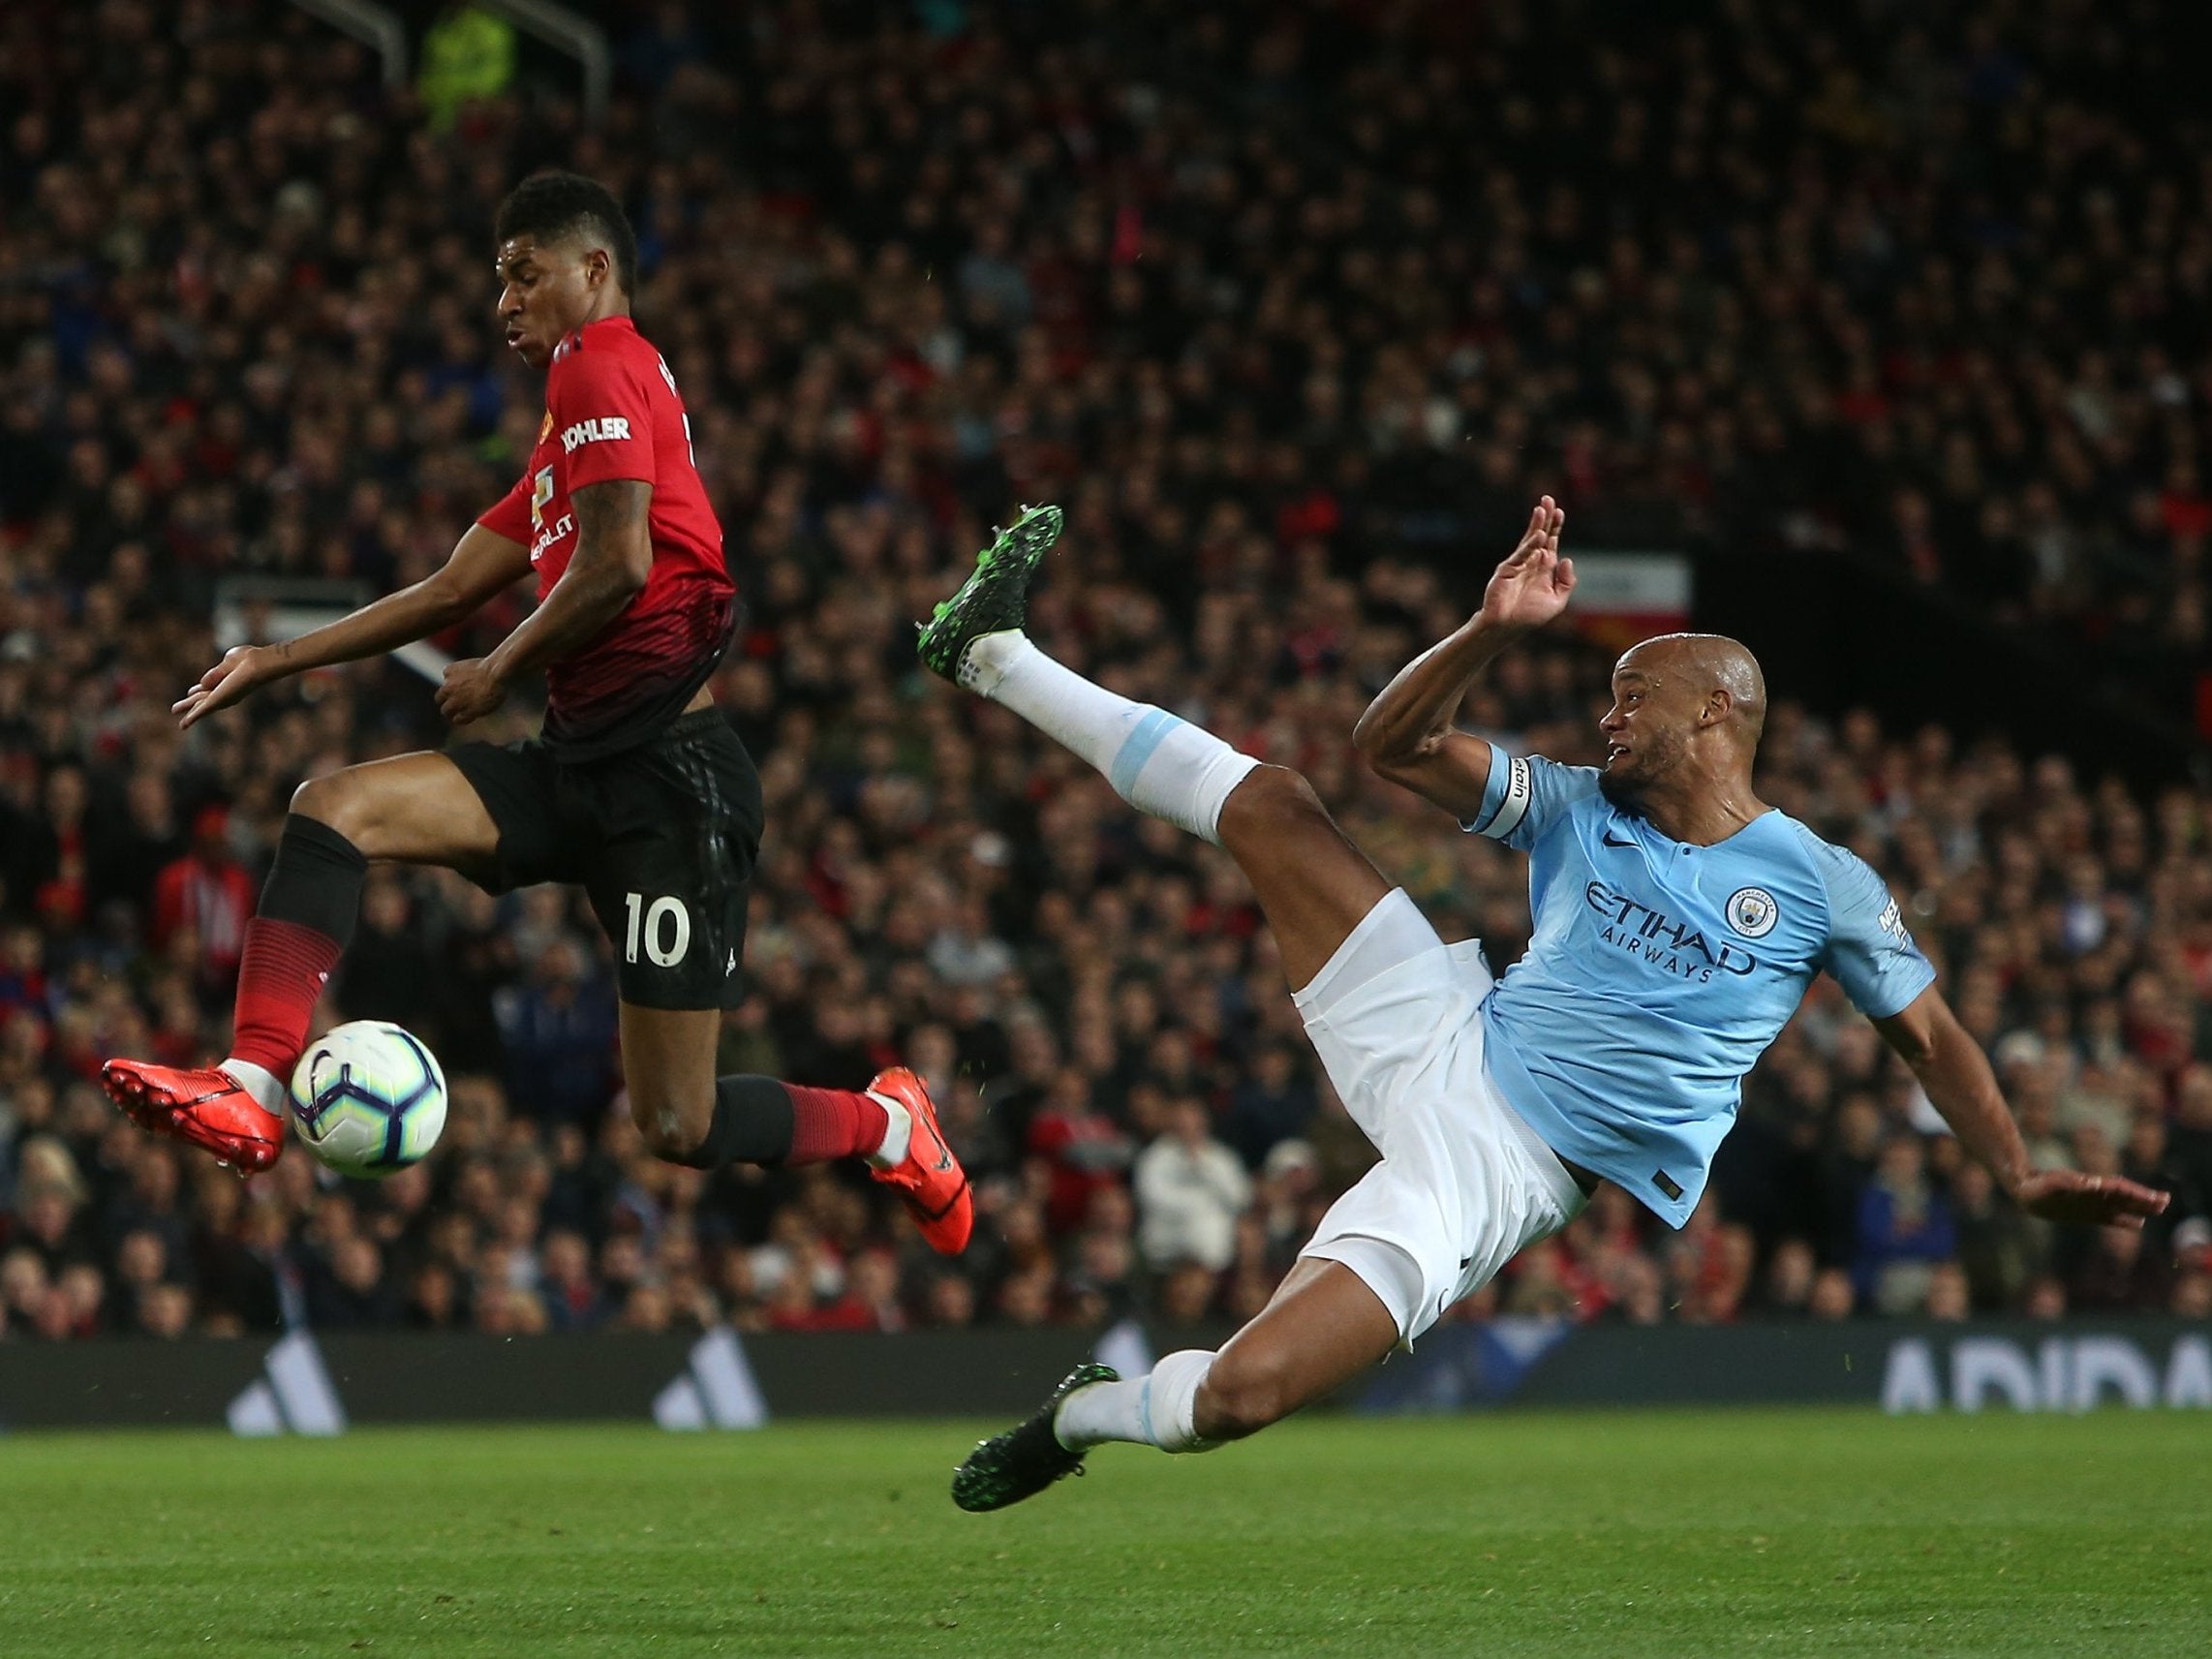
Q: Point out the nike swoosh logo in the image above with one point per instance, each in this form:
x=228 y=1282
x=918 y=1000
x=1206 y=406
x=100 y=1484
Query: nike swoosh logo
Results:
x=1610 y=842
x=1450 y=1296
x=944 y=1150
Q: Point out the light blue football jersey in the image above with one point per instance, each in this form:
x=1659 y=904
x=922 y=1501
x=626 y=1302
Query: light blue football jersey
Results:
x=1659 y=971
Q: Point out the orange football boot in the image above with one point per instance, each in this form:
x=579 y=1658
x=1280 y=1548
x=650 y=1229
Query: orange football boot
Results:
x=929 y=1178
x=204 y=1107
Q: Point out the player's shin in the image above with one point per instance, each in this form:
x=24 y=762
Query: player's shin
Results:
x=1156 y=763
x=305 y=921
x=765 y=1121
x=1160 y=1409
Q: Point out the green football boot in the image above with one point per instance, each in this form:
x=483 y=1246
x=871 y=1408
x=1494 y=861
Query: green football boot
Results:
x=994 y=598
x=1023 y=1461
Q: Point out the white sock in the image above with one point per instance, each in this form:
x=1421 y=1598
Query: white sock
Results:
x=1156 y=1410
x=897 y=1137
x=1157 y=763
x=262 y=1084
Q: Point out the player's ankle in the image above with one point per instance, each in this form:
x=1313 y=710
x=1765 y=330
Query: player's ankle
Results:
x=1099 y=1412
x=265 y=1086
x=898 y=1133
x=1156 y=1410
x=989 y=657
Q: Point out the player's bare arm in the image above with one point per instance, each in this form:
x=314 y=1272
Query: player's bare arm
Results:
x=614 y=556
x=1407 y=734
x=1956 y=1076
x=483 y=565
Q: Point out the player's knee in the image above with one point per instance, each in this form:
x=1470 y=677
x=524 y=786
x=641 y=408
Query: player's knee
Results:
x=1243 y=1394
x=1269 y=799
x=669 y=1130
x=334 y=802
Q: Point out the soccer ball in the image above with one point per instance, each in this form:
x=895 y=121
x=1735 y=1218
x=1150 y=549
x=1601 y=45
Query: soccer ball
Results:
x=368 y=1099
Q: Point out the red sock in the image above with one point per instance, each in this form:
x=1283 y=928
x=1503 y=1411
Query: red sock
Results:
x=280 y=980
x=833 y=1124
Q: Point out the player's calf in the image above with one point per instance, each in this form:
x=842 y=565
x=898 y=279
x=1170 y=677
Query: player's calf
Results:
x=1191 y=1401
x=892 y=1126
x=1156 y=761
x=759 y=1120
x=1242 y=1393
x=1324 y=1328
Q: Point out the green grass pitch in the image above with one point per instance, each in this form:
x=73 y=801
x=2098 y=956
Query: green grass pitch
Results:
x=1655 y=1533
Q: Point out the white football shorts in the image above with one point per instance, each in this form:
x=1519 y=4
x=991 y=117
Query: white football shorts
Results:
x=1464 y=1185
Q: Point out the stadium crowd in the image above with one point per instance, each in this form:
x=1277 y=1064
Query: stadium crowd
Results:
x=1294 y=360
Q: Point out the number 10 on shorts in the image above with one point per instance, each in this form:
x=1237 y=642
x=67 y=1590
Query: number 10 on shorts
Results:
x=663 y=927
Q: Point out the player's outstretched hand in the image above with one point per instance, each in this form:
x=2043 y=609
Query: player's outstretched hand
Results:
x=242 y=668
x=470 y=692
x=1534 y=583
x=2088 y=1200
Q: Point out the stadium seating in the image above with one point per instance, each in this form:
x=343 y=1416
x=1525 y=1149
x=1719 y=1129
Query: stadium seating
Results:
x=1294 y=359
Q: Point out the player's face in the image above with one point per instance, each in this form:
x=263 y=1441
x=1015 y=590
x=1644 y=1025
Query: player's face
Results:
x=1646 y=737
x=545 y=292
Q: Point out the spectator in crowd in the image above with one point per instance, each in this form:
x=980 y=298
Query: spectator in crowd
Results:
x=206 y=892
x=559 y=1031
x=1999 y=1248
x=1269 y=1107
x=1791 y=1272
x=391 y=971
x=350 y=1290
x=1191 y=1189
x=1832 y=1295
x=1079 y=1149
x=1905 y=1229
x=571 y=1299
x=1947 y=1296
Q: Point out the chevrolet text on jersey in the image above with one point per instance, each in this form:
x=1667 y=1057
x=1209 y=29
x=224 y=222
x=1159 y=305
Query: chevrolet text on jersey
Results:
x=559 y=530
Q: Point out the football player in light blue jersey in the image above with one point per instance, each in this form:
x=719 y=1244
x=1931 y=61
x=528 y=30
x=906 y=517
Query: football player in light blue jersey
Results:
x=1678 y=919
x=1662 y=964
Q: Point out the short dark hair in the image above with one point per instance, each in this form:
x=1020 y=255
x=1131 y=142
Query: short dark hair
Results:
x=552 y=205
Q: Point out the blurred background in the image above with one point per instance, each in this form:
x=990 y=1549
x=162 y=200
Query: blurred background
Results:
x=1880 y=334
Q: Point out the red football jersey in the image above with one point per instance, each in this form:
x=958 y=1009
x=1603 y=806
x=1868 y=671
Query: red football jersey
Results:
x=612 y=410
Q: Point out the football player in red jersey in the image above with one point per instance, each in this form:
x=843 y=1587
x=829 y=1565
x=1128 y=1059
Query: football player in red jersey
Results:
x=636 y=787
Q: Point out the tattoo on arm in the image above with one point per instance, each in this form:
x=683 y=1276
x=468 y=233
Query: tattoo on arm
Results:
x=613 y=557
x=614 y=513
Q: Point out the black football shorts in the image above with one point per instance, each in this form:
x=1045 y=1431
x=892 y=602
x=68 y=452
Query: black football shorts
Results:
x=662 y=836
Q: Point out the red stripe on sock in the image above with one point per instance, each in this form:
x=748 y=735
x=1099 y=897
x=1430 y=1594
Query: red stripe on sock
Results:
x=280 y=980
x=833 y=1124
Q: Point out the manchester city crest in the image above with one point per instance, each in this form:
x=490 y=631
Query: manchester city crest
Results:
x=1752 y=911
